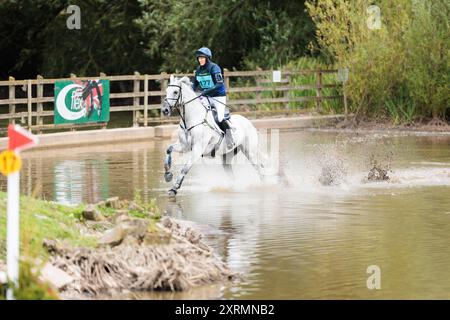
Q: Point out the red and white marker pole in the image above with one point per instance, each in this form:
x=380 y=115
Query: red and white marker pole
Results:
x=10 y=164
x=12 y=233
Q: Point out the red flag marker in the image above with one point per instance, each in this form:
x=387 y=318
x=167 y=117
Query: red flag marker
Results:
x=20 y=138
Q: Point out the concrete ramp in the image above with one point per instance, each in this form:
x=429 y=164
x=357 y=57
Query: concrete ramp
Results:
x=104 y=136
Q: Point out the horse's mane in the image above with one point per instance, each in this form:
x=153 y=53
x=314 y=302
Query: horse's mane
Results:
x=186 y=81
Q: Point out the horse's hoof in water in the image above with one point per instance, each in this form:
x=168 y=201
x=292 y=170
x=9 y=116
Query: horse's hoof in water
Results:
x=168 y=176
x=172 y=193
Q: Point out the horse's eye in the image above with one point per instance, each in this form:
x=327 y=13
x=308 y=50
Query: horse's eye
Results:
x=175 y=92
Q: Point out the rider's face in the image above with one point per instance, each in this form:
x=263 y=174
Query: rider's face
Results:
x=201 y=60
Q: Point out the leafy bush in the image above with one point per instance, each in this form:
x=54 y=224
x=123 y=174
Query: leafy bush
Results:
x=405 y=60
x=428 y=75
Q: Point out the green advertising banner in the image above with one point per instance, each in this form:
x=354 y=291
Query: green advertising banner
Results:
x=81 y=101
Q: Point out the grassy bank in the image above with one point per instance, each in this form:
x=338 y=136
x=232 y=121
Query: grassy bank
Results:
x=41 y=220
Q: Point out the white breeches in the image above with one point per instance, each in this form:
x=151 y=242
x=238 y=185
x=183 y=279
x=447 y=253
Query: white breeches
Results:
x=219 y=103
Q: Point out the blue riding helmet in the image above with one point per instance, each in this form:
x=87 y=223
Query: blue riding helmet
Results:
x=203 y=52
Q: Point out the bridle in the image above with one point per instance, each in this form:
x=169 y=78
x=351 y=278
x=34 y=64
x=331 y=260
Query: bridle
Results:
x=179 y=102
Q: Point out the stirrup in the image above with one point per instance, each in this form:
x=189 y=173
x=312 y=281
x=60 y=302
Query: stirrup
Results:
x=229 y=141
x=231 y=145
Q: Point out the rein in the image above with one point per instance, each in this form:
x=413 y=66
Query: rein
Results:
x=177 y=105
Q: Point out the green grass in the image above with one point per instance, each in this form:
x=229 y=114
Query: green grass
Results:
x=401 y=109
x=41 y=220
x=148 y=206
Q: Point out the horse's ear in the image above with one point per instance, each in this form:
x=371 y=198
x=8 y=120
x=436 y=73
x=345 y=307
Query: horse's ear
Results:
x=171 y=78
x=186 y=80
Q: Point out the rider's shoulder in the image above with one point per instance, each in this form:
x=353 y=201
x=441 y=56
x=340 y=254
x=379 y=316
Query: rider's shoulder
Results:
x=215 y=67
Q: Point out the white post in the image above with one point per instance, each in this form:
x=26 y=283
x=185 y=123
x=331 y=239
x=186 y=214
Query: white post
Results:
x=12 y=239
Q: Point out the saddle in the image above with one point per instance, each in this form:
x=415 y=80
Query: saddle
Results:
x=218 y=125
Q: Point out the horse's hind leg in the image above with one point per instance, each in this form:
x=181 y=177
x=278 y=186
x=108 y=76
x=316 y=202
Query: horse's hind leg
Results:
x=251 y=153
x=227 y=158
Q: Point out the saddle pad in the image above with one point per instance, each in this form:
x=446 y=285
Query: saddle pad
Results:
x=204 y=101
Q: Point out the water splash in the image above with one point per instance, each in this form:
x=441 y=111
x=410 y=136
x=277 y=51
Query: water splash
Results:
x=333 y=170
x=415 y=177
x=380 y=168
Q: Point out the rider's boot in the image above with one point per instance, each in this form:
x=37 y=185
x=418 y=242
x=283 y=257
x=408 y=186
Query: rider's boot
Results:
x=227 y=128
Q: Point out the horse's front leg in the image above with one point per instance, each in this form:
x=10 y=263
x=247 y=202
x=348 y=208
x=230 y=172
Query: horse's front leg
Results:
x=194 y=155
x=177 y=147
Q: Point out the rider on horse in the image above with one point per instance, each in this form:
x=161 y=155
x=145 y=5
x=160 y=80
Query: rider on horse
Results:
x=209 y=80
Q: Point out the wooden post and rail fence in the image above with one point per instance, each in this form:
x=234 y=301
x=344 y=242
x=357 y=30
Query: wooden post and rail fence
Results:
x=31 y=102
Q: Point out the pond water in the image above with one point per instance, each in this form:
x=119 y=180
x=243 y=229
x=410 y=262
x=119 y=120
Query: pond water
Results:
x=305 y=241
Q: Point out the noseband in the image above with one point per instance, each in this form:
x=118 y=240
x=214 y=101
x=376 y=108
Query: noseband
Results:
x=179 y=102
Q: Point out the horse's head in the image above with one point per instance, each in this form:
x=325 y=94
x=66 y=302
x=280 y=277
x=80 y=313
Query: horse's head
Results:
x=174 y=96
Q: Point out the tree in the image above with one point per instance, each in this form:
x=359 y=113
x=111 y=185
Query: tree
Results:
x=35 y=39
x=119 y=37
x=21 y=36
x=238 y=32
